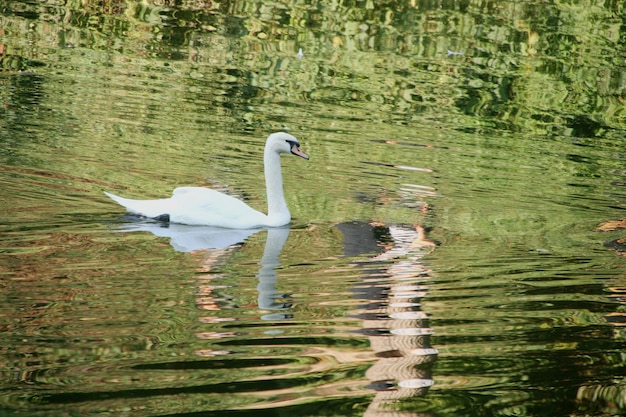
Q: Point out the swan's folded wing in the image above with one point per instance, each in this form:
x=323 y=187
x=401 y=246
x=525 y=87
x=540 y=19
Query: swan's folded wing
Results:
x=205 y=198
x=197 y=205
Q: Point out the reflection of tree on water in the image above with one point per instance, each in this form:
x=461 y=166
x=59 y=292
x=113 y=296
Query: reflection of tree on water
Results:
x=397 y=329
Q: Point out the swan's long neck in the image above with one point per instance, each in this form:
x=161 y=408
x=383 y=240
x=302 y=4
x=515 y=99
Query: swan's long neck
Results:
x=277 y=211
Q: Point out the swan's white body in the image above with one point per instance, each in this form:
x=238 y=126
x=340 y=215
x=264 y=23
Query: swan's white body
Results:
x=206 y=207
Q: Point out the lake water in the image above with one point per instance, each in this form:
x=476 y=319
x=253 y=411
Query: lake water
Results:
x=456 y=246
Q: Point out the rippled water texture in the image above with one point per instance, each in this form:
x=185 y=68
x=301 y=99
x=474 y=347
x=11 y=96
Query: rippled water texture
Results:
x=457 y=238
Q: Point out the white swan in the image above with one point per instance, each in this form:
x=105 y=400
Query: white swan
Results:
x=206 y=207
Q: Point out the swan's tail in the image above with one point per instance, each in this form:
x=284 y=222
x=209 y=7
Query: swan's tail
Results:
x=148 y=208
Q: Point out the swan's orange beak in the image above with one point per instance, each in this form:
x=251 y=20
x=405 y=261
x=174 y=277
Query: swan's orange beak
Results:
x=296 y=151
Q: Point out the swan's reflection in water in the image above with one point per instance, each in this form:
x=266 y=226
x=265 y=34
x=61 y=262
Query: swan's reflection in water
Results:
x=212 y=244
x=185 y=238
x=394 y=281
x=269 y=298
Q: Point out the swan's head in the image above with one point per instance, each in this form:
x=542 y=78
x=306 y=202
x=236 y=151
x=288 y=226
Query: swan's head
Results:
x=284 y=143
